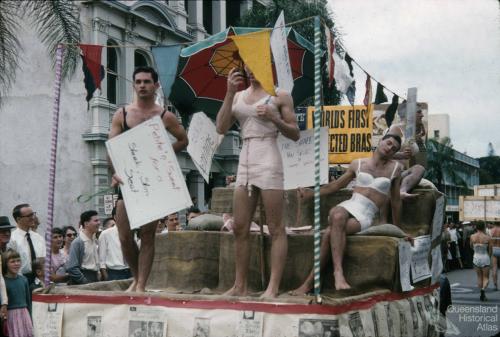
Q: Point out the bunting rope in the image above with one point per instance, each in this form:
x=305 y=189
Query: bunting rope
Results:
x=317 y=122
x=52 y=165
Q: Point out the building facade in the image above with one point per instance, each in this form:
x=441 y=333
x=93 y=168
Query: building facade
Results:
x=127 y=29
x=439 y=126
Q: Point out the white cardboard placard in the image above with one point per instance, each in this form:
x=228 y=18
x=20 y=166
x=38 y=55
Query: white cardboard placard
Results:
x=153 y=183
x=298 y=159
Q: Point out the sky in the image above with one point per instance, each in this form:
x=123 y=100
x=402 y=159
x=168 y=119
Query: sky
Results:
x=448 y=49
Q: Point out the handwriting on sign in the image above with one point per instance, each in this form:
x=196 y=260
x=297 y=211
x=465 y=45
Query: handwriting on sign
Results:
x=130 y=180
x=171 y=177
x=206 y=154
x=133 y=152
x=157 y=138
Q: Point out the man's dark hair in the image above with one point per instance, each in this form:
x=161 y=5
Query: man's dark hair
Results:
x=86 y=216
x=193 y=209
x=16 y=212
x=57 y=230
x=395 y=137
x=144 y=69
x=105 y=222
x=480 y=225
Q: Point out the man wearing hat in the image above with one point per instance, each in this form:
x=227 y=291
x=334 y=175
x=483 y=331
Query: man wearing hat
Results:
x=30 y=245
x=5 y=228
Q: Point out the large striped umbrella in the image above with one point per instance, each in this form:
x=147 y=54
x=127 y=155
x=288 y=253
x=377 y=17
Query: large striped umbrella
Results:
x=200 y=84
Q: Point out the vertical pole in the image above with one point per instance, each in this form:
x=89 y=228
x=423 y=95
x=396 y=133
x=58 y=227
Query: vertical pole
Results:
x=317 y=112
x=52 y=164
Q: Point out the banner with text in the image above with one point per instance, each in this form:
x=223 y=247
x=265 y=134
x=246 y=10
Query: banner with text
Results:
x=153 y=183
x=203 y=142
x=298 y=159
x=349 y=131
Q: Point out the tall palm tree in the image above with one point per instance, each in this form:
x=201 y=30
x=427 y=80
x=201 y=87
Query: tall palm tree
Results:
x=55 y=21
x=441 y=163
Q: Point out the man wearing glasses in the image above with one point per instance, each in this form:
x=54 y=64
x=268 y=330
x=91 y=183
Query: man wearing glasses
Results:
x=30 y=245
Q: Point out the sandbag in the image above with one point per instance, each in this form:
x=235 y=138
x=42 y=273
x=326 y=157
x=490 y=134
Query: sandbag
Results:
x=384 y=230
x=205 y=222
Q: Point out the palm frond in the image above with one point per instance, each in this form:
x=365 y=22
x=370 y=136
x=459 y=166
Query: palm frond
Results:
x=9 y=45
x=57 y=22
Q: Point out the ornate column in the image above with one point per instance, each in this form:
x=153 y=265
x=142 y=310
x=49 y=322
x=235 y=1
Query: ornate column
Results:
x=195 y=19
x=218 y=16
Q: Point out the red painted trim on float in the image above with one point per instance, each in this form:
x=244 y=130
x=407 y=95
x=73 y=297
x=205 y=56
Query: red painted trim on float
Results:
x=274 y=308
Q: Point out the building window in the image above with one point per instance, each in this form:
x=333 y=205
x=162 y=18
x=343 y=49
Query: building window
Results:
x=140 y=59
x=112 y=72
x=436 y=134
x=207 y=16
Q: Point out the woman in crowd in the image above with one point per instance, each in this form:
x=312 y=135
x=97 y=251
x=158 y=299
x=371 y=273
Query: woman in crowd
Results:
x=481 y=244
x=70 y=234
x=495 y=257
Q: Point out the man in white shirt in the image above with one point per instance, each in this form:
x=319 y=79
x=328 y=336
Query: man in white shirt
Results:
x=30 y=245
x=112 y=264
x=83 y=262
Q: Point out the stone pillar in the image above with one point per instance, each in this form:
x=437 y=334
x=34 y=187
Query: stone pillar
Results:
x=195 y=20
x=196 y=186
x=218 y=16
x=181 y=16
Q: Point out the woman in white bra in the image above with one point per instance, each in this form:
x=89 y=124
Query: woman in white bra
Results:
x=377 y=178
x=481 y=244
x=260 y=170
x=495 y=256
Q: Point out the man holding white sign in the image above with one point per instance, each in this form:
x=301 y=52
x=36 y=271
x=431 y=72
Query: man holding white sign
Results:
x=145 y=82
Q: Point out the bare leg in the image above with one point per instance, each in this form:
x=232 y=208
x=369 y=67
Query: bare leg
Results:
x=479 y=277
x=324 y=258
x=341 y=226
x=146 y=254
x=129 y=246
x=486 y=277
x=411 y=178
x=244 y=208
x=273 y=205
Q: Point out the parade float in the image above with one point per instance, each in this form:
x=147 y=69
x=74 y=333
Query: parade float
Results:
x=393 y=284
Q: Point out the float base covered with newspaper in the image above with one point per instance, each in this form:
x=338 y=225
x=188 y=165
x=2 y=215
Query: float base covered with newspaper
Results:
x=393 y=285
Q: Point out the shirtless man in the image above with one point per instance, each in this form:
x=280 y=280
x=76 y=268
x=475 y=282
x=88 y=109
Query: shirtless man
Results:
x=145 y=82
x=377 y=178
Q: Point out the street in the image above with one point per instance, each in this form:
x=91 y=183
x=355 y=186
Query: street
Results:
x=470 y=316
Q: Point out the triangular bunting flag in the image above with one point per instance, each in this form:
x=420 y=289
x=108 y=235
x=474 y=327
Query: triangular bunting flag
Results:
x=93 y=71
x=380 y=96
x=341 y=74
x=255 y=51
x=391 y=110
x=348 y=60
x=166 y=59
x=331 y=49
x=351 y=92
x=368 y=90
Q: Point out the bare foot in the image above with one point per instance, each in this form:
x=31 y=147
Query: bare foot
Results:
x=406 y=195
x=303 y=290
x=132 y=287
x=340 y=282
x=269 y=294
x=236 y=291
x=140 y=289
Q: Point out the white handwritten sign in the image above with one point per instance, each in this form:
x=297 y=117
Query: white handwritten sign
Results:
x=437 y=264
x=404 y=265
x=437 y=220
x=203 y=142
x=411 y=109
x=153 y=182
x=420 y=258
x=298 y=159
x=279 y=47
